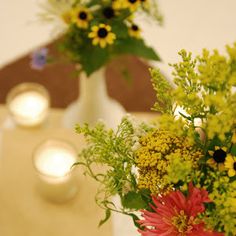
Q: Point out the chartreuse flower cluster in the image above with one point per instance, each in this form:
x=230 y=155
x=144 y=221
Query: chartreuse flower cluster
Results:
x=94 y=32
x=181 y=171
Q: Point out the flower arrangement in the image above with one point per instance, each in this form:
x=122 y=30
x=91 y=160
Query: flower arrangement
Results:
x=94 y=32
x=178 y=171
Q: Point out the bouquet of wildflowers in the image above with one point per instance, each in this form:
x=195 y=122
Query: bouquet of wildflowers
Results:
x=179 y=171
x=94 y=32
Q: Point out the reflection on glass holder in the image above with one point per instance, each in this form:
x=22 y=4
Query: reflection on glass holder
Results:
x=53 y=160
x=28 y=104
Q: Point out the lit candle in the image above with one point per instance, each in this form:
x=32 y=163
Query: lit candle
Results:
x=28 y=103
x=53 y=160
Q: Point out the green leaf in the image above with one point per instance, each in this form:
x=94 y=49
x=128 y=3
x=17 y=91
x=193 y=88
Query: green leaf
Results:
x=93 y=58
x=133 y=200
x=233 y=150
x=119 y=28
x=108 y=214
x=135 y=47
x=135 y=219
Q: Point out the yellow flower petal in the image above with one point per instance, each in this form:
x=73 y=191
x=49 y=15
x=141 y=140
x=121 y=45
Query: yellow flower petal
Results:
x=211 y=162
x=95 y=28
x=95 y=41
x=102 y=43
x=231 y=172
x=211 y=153
x=102 y=26
x=92 y=35
x=108 y=27
x=224 y=149
x=221 y=167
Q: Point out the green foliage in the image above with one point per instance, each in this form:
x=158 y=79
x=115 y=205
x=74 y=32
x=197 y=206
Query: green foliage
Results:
x=107 y=217
x=196 y=143
x=133 y=200
x=233 y=150
x=80 y=49
x=135 y=47
x=112 y=150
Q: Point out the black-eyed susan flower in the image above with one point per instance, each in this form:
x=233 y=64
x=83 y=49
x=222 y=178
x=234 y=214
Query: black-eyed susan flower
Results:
x=132 y=4
x=108 y=12
x=230 y=164
x=81 y=17
x=134 y=31
x=102 y=35
x=218 y=157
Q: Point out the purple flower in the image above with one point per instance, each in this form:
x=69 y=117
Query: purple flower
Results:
x=39 y=59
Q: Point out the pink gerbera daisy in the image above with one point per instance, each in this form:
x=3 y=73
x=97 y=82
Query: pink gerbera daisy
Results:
x=176 y=215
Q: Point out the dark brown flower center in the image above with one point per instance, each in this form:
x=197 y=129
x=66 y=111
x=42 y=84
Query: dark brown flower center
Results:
x=132 y=1
x=108 y=12
x=102 y=33
x=134 y=27
x=83 y=15
x=219 y=156
x=234 y=165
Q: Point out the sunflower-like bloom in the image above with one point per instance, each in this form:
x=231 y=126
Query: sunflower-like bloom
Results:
x=134 y=31
x=230 y=164
x=176 y=215
x=132 y=4
x=81 y=17
x=102 y=35
x=218 y=157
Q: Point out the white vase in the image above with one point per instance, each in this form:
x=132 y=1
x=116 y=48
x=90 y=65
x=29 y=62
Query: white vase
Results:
x=122 y=225
x=93 y=103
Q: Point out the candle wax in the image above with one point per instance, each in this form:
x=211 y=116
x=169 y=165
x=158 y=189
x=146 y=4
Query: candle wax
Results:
x=29 y=107
x=54 y=161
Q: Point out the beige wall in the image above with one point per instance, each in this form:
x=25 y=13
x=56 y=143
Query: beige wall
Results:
x=190 y=24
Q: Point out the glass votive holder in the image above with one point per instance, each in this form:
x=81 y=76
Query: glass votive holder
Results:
x=28 y=104
x=53 y=160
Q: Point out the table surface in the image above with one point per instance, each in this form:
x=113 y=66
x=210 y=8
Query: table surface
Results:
x=23 y=212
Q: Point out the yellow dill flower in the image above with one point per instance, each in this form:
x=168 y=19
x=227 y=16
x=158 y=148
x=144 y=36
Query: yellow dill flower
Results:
x=81 y=17
x=102 y=35
x=134 y=31
x=218 y=157
x=154 y=156
x=230 y=164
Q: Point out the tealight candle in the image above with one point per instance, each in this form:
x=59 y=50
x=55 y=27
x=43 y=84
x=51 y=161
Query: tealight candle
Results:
x=28 y=104
x=53 y=160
